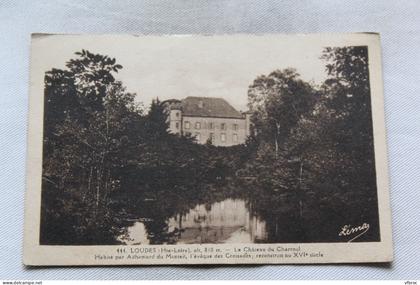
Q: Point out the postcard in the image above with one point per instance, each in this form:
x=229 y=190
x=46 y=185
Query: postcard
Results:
x=195 y=149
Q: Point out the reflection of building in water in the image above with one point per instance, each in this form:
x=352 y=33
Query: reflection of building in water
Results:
x=136 y=234
x=226 y=221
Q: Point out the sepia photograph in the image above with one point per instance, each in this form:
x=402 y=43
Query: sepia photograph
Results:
x=206 y=140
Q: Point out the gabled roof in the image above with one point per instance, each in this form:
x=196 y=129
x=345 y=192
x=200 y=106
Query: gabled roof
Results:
x=208 y=107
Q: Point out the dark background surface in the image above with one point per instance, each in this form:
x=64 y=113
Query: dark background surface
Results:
x=397 y=21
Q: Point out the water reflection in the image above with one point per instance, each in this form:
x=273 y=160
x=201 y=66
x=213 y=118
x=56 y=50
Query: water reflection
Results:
x=136 y=234
x=228 y=221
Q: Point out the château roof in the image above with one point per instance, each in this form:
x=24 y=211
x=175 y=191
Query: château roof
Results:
x=208 y=107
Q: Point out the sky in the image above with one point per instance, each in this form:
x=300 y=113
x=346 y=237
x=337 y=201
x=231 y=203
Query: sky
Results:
x=179 y=66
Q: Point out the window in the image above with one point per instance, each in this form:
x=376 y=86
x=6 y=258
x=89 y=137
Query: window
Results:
x=223 y=137
x=187 y=125
x=235 y=138
x=198 y=125
x=197 y=136
x=235 y=127
x=177 y=114
x=187 y=133
x=211 y=137
x=223 y=126
x=211 y=126
x=177 y=125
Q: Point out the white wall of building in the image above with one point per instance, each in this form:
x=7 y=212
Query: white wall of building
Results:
x=225 y=131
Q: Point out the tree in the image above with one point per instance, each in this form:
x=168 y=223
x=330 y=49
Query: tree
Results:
x=347 y=93
x=87 y=132
x=277 y=102
x=157 y=124
x=315 y=146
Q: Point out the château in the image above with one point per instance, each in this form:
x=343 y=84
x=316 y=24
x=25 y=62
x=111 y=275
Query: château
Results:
x=208 y=119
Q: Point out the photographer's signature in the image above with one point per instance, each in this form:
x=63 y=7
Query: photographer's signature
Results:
x=354 y=232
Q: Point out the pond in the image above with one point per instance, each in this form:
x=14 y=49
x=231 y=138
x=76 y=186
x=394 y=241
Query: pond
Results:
x=227 y=221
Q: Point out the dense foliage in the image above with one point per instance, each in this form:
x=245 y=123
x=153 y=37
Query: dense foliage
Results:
x=321 y=175
x=308 y=168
